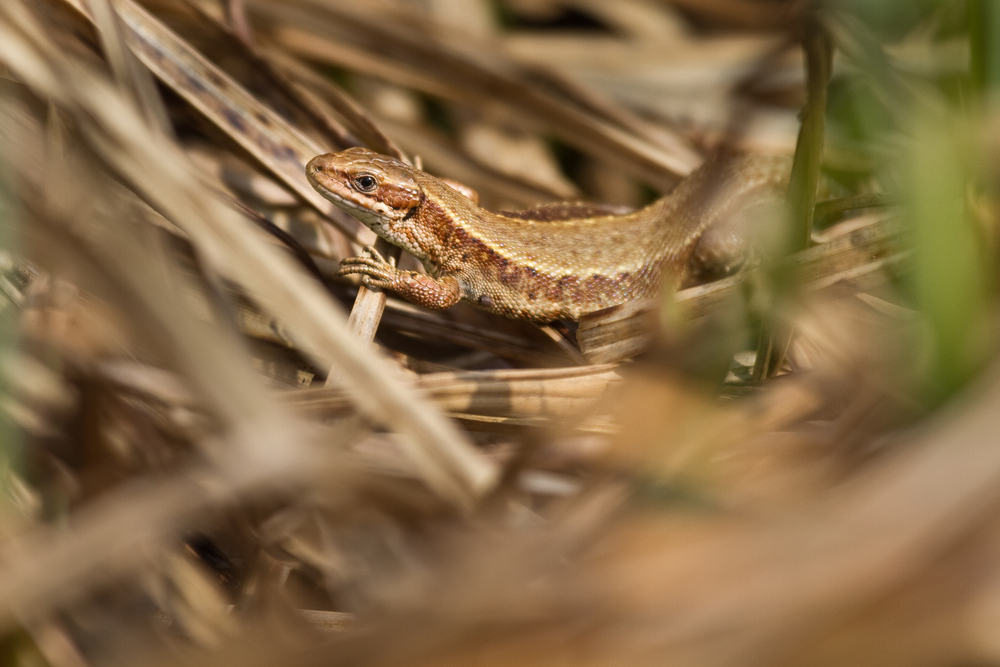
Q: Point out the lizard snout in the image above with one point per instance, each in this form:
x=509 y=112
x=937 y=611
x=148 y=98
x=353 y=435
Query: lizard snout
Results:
x=318 y=164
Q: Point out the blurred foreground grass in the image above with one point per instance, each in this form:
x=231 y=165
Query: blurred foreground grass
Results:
x=205 y=461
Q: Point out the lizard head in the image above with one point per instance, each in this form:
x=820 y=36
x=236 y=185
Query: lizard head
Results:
x=378 y=190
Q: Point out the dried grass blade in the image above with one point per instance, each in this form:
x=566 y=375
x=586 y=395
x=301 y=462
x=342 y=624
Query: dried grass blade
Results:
x=356 y=117
x=305 y=99
x=529 y=392
x=475 y=80
x=259 y=130
x=129 y=72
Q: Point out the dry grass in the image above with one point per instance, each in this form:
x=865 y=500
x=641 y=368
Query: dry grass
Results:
x=213 y=453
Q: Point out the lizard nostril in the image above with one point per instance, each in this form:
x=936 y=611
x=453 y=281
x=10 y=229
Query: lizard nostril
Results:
x=315 y=167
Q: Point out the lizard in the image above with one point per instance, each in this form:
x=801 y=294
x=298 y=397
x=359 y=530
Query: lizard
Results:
x=553 y=262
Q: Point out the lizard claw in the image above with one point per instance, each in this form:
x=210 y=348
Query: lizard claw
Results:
x=376 y=255
x=364 y=261
x=376 y=283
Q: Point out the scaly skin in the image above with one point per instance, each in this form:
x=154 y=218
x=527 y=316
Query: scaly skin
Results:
x=535 y=266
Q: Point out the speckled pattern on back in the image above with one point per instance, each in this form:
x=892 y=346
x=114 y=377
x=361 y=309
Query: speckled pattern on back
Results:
x=543 y=269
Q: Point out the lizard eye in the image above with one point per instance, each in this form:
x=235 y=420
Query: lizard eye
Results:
x=365 y=182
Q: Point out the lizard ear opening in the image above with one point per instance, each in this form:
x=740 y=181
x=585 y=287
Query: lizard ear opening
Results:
x=462 y=188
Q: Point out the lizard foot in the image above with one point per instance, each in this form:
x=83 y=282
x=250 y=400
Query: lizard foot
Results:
x=375 y=270
x=379 y=273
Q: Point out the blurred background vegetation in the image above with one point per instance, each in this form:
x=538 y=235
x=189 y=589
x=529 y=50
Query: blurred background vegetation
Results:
x=212 y=452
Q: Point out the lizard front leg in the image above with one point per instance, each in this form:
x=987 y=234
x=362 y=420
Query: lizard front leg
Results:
x=418 y=288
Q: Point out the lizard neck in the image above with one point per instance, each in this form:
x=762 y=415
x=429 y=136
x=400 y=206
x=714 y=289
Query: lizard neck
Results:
x=438 y=223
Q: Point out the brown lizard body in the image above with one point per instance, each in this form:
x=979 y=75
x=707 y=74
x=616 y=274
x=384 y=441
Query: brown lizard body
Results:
x=526 y=265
